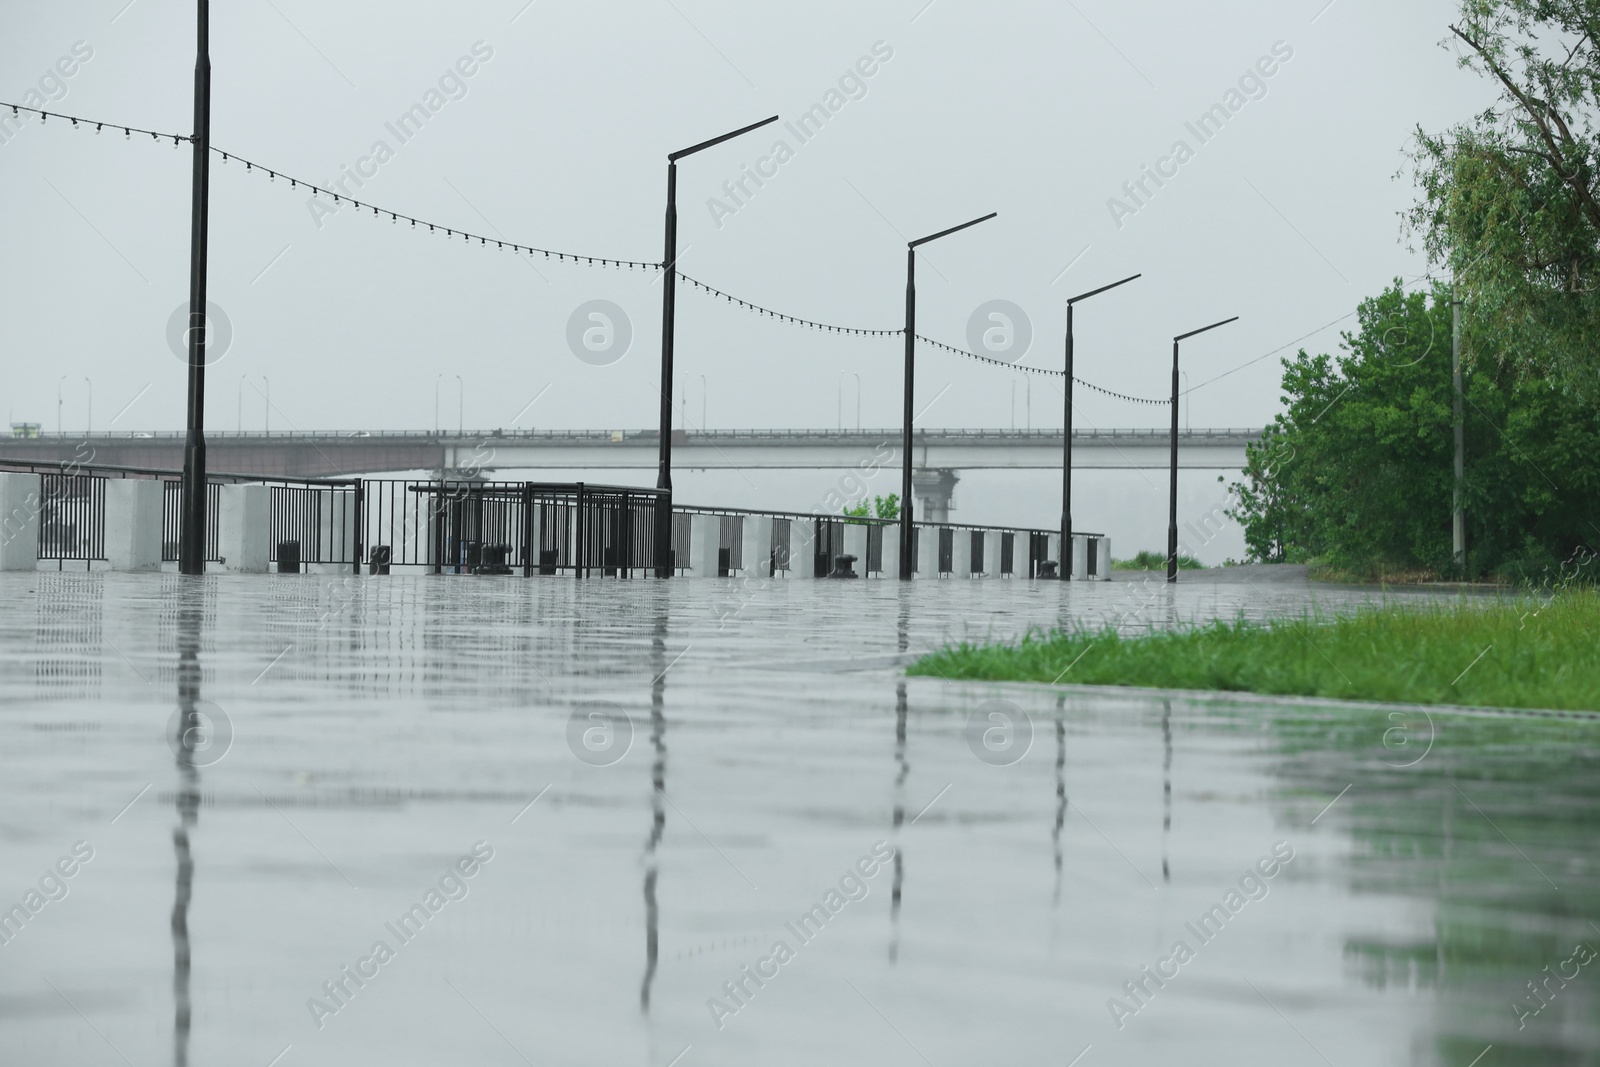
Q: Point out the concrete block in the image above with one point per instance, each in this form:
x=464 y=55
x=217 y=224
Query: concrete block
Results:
x=757 y=549
x=20 y=506
x=928 y=552
x=802 y=548
x=133 y=524
x=961 y=554
x=855 y=544
x=704 y=536
x=891 y=552
x=1102 y=559
x=1080 y=558
x=991 y=554
x=243 y=536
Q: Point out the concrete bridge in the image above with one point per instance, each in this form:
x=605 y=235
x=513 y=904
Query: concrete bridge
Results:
x=318 y=454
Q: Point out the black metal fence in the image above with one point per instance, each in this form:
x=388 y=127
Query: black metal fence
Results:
x=495 y=527
x=483 y=527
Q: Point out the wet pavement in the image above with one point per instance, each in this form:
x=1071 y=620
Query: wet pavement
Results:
x=441 y=820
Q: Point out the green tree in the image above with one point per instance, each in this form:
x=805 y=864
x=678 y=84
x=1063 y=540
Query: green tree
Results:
x=1511 y=198
x=1357 y=472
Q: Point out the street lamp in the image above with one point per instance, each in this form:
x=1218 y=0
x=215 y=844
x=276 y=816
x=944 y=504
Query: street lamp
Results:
x=907 y=564
x=88 y=417
x=703 y=392
x=59 y=380
x=461 y=407
x=437 y=378
x=669 y=308
x=192 y=536
x=1064 y=564
x=1172 y=500
x=858 y=401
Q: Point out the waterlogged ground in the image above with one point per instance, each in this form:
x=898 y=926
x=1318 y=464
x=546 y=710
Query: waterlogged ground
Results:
x=444 y=820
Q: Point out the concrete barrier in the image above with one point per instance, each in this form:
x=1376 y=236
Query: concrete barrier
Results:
x=961 y=554
x=928 y=552
x=243 y=535
x=855 y=544
x=991 y=554
x=133 y=524
x=756 y=552
x=802 y=548
x=704 y=538
x=891 y=553
x=20 y=505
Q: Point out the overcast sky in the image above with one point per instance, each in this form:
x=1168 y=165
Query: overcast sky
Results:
x=1286 y=217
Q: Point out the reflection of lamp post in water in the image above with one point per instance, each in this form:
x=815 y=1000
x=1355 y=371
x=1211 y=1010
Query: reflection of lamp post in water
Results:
x=658 y=814
x=191 y=737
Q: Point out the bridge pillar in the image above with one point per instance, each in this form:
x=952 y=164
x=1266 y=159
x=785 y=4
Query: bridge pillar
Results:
x=934 y=490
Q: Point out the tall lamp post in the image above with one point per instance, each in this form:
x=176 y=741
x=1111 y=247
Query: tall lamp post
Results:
x=669 y=310
x=1065 y=563
x=192 y=538
x=907 y=563
x=1172 y=499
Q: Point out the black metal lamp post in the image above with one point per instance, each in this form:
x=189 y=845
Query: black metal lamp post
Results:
x=192 y=534
x=669 y=308
x=907 y=564
x=1065 y=563
x=1172 y=500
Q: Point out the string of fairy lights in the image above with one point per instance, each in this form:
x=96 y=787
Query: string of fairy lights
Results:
x=450 y=232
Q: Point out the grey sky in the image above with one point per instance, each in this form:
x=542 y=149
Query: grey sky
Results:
x=1038 y=111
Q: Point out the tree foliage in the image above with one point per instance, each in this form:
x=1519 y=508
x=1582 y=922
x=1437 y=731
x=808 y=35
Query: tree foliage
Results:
x=1358 y=471
x=1511 y=198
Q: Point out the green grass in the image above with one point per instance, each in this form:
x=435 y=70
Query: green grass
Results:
x=1515 y=653
x=1155 y=561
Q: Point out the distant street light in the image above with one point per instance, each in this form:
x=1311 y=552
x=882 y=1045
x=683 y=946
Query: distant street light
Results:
x=907 y=564
x=1172 y=500
x=88 y=417
x=461 y=407
x=1065 y=563
x=669 y=311
x=703 y=392
x=59 y=430
x=858 y=400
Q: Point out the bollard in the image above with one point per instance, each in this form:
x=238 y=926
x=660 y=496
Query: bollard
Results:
x=844 y=567
x=379 y=559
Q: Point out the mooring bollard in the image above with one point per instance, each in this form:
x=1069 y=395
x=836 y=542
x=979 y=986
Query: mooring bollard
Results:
x=844 y=567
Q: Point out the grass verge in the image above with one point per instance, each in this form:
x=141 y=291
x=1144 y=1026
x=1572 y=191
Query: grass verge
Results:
x=1523 y=653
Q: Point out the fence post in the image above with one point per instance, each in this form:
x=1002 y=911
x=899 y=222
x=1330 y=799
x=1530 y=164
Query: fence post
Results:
x=580 y=555
x=360 y=521
x=527 y=529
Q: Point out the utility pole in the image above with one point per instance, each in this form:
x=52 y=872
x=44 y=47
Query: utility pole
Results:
x=1458 y=523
